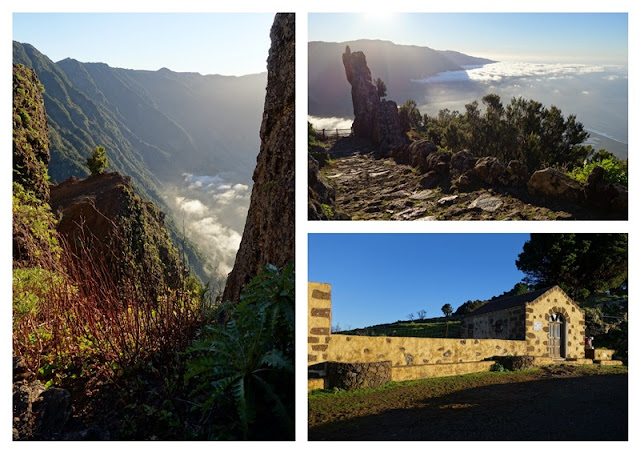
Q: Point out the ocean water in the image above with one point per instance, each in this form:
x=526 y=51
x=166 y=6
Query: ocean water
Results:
x=596 y=94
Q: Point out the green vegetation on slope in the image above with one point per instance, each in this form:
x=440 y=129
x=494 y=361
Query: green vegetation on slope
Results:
x=427 y=328
x=522 y=130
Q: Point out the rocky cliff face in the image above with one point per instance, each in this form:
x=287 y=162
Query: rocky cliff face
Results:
x=269 y=232
x=104 y=217
x=364 y=95
x=34 y=238
x=375 y=120
x=30 y=133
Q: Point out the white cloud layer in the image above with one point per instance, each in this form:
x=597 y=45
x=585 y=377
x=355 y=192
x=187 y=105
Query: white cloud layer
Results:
x=497 y=72
x=329 y=123
x=213 y=210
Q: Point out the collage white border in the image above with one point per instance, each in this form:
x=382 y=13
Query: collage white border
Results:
x=303 y=226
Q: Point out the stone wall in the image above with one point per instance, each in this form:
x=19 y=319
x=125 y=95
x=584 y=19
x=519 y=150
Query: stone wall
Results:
x=599 y=354
x=507 y=324
x=407 y=373
x=537 y=324
x=319 y=321
x=409 y=351
x=350 y=376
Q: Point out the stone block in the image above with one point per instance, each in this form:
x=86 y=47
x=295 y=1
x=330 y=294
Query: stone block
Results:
x=320 y=331
x=322 y=295
x=321 y=312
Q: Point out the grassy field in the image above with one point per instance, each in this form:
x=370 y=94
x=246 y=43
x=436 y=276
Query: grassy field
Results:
x=428 y=328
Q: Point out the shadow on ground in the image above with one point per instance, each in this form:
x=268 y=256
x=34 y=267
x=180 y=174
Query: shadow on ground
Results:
x=581 y=408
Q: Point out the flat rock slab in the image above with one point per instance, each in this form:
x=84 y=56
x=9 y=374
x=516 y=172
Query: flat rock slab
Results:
x=486 y=203
x=447 y=200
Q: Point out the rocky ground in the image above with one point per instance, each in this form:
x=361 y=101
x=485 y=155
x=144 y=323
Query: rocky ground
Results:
x=380 y=189
x=553 y=403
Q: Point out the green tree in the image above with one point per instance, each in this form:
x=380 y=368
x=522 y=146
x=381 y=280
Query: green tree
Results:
x=381 y=87
x=97 y=161
x=469 y=306
x=410 y=116
x=579 y=263
x=447 y=310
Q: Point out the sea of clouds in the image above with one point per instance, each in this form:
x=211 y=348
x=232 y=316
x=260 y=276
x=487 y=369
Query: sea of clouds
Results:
x=497 y=72
x=331 y=123
x=596 y=94
x=212 y=210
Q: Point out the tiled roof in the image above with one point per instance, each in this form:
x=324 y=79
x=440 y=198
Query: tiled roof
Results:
x=509 y=301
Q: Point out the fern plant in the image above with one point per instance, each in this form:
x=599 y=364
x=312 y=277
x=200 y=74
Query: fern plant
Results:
x=249 y=360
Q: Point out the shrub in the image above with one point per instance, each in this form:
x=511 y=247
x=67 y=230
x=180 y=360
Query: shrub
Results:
x=615 y=171
x=82 y=321
x=247 y=364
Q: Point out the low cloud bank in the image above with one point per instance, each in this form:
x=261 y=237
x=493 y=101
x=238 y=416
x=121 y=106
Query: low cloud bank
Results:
x=212 y=210
x=329 y=123
x=497 y=72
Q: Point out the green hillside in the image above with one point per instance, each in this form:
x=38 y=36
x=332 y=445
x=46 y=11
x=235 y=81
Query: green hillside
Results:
x=427 y=328
x=155 y=125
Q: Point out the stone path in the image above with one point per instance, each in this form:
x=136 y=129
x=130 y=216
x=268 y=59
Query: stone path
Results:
x=380 y=189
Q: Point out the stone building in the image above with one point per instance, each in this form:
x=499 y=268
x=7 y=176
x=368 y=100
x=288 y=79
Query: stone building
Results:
x=547 y=319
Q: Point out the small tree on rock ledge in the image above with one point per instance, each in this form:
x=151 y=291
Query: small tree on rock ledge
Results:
x=97 y=161
x=381 y=87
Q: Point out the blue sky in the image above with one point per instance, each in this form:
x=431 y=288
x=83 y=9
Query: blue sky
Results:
x=378 y=278
x=226 y=43
x=545 y=37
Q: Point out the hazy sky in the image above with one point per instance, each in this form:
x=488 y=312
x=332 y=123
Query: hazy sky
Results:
x=379 y=278
x=225 y=43
x=576 y=37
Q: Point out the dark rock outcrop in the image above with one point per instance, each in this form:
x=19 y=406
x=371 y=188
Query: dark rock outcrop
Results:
x=269 y=232
x=438 y=162
x=41 y=413
x=102 y=215
x=489 y=170
x=606 y=195
x=387 y=132
x=461 y=162
x=375 y=120
x=518 y=173
x=415 y=154
x=555 y=184
x=364 y=95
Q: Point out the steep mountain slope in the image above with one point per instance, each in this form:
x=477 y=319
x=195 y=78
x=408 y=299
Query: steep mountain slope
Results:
x=395 y=64
x=155 y=125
